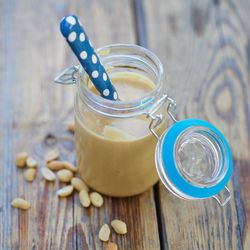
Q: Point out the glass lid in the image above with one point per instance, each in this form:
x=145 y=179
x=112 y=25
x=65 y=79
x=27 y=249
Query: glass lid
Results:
x=194 y=160
x=198 y=156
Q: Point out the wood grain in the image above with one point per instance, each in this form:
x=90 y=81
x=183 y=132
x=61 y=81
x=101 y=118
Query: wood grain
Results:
x=205 y=49
x=33 y=113
x=235 y=32
x=203 y=46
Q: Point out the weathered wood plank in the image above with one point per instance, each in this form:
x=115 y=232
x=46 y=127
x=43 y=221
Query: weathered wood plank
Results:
x=235 y=33
x=203 y=46
x=33 y=112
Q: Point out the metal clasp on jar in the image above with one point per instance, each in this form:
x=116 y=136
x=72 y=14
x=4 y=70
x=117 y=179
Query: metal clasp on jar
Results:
x=156 y=119
x=223 y=197
x=68 y=76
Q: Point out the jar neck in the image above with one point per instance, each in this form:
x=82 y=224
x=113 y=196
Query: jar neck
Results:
x=119 y=58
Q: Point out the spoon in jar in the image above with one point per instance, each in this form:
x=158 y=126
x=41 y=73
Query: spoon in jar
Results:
x=77 y=39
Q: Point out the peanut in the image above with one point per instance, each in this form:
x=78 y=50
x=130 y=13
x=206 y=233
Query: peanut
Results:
x=104 y=233
x=78 y=184
x=21 y=159
x=30 y=174
x=65 y=191
x=119 y=226
x=48 y=174
x=112 y=246
x=31 y=163
x=71 y=126
x=96 y=199
x=55 y=165
x=69 y=166
x=64 y=175
x=52 y=155
x=20 y=203
x=84 y=198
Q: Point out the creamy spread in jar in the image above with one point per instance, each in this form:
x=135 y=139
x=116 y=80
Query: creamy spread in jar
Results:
x=116 y=156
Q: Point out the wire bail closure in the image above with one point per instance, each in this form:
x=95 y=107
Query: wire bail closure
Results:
x=68 y=76
x=156 y=119
x=223 y=197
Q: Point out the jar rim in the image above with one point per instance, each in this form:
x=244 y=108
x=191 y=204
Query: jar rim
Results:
x=123 y=108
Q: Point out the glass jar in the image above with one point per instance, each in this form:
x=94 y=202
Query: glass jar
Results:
x=121 y=166
x=123 y=147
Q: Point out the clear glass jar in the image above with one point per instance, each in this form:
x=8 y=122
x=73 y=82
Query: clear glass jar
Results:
x=120 y=166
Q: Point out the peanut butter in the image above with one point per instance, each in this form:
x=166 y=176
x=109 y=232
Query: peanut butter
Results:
x=115 y=156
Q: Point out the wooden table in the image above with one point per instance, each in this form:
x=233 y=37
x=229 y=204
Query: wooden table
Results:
x=205 y=49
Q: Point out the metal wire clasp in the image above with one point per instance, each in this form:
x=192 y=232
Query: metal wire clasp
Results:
x=223 y=197
x=68 y=76
x=156 y=119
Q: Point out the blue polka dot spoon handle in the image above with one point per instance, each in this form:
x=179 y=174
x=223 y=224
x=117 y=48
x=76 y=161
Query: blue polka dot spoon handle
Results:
x=78 y=41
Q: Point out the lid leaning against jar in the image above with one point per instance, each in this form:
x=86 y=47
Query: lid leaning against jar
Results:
x=194 y=161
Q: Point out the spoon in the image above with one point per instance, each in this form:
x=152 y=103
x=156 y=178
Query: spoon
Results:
x=77 y=39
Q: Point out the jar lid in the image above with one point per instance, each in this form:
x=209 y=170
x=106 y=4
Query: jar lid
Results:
x=193 y=159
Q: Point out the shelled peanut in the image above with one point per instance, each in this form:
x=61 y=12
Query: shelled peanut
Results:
x=21 y=159
x=30 y=174
x=20 y=203
x=119 y=226
x=47 y=174
x=52 y=155
x=78 y=184
x=84 y=198
x=65 y=175
x=31 y=163
x=96 y=199
x=65 y=191
x=112 y=246
x=104 y=233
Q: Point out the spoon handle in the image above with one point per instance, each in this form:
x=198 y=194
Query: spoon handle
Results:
x=77 y=39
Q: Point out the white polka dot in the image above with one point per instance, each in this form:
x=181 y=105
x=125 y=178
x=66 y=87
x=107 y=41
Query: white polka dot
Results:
x=82 y=37
x=95 y=74
x=90 y=44
x=94 y=59
x=79 y=22
x=83 y=55
x=72 y=36
x=104 y=76
x=105 y=92
x=71 y=20
x=115 y=96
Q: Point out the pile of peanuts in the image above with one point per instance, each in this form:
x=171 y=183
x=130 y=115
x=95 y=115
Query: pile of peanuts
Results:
x=65 y=172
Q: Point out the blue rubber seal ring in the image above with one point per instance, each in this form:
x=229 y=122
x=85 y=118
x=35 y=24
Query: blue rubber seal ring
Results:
x=168 y=144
